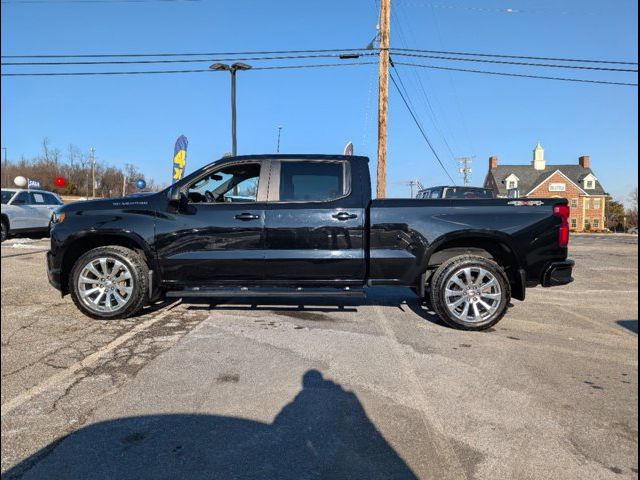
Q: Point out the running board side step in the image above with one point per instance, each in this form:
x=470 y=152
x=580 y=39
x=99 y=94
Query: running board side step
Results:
x=267 y=292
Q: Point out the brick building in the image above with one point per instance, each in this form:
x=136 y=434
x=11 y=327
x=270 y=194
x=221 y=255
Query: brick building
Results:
x=576 y=182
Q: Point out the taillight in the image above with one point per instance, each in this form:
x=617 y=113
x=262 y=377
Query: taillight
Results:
x=563 y=211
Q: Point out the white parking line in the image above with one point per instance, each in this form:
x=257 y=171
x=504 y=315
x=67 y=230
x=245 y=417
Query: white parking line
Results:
x=91 y=359
x=449 y=462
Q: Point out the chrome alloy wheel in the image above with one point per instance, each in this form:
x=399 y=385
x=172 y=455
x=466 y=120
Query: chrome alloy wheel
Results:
x=105 y=284
x=473 y=294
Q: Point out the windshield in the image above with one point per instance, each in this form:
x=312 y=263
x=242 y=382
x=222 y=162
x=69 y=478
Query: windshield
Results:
x=6 y=196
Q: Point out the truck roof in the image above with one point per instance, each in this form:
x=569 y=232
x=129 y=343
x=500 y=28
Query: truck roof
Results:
x=292 y=156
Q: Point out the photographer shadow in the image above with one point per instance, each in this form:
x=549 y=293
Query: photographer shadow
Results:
x=324 y=433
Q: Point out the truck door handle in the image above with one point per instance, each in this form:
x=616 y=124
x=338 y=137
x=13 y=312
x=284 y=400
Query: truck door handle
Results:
x=247 y=216
x=345 y=216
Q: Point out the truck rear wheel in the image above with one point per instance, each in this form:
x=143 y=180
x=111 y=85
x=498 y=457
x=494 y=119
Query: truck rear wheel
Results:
x=109 y=282
x=470 y=292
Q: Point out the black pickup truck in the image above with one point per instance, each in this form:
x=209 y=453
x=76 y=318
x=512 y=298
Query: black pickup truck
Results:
x=305 y=225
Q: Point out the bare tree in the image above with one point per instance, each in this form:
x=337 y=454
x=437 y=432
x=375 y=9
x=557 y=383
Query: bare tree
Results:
x=632 y=211
x=76 y=169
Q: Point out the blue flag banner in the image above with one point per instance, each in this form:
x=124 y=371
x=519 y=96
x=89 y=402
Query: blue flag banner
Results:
x=180 y=157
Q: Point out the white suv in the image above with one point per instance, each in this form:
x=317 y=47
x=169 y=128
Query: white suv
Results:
x=27 y=210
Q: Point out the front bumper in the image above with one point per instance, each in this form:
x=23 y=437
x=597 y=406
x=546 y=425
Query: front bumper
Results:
x=558 y=273
x=53 y=273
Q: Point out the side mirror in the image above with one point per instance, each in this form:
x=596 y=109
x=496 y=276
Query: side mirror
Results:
x=177 y=199
x=175 y=195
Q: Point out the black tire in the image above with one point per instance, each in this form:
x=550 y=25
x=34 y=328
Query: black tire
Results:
x=5 y=230
x=451 y=267
x=136 y=265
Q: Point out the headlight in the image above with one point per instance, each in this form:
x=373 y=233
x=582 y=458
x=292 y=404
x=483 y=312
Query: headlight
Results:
x=58 y=217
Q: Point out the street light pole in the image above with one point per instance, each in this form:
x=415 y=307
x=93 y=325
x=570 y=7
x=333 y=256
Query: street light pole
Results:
x=234 y=133
x=232 y=69
x=93 y=172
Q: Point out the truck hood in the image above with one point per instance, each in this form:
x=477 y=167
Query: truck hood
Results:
x=113 y=203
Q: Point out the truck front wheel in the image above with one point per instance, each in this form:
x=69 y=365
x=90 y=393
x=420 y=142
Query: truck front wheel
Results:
x=470 y=292
x=109 y=282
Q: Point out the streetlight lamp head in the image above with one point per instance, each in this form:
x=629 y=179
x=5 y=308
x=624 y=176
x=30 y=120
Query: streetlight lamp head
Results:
x=219 y=66
x=241 y=66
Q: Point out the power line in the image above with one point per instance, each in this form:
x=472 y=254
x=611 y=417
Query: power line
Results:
x=505 y=74
x=527 y=64
x=187 y=54
x=424 y=135
x=197 y=60
x=523 y=57
x=326 y=50
x=419 y=82
x=322 y=65
x=452 y=84
x=155 y=72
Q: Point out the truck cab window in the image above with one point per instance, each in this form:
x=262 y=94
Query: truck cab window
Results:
x=231 y=184
x=311 y=181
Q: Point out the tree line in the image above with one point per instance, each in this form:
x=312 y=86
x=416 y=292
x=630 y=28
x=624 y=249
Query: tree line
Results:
x=619 y=218
x=76 y=167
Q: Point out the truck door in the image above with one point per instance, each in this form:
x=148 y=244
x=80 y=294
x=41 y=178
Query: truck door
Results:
x=314 y=224
x=218 y=236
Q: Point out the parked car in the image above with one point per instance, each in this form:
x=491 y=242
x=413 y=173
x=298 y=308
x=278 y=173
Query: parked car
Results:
x=633 y=231
x=25 y=211
x=308 y=227
x=463 y=193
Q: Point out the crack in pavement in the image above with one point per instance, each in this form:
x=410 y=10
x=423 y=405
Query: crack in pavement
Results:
x=73 y=406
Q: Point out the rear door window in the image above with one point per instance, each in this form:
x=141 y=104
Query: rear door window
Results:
x=311 y=181
x=37 y=199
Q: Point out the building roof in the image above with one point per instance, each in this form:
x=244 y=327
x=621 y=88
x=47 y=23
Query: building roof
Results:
x=530 y=177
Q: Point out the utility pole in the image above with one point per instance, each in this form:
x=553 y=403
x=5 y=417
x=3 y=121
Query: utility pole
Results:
x=464 y=164
x=383 y=96
x=279 y=131
x=413 y=183
x=93 y=172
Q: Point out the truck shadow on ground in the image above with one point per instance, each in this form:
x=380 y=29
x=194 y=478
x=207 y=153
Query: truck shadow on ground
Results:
x=304 y=308
x=631 y=325
x=323 y=433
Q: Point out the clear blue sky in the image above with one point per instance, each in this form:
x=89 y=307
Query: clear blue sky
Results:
x=137 y=119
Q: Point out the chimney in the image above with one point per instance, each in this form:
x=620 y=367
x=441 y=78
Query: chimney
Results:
x=585 y=161
x=493 y=162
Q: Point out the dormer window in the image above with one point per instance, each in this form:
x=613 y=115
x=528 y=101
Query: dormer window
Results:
x=589 y=182
x=511 y=182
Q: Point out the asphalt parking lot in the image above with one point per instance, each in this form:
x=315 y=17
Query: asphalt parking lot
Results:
x=373 y=389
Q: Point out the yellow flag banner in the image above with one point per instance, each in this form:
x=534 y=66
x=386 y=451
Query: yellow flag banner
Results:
x=180 y=157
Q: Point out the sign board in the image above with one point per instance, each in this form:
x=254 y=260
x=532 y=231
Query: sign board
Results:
x=557 y=187
x=31 y=183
